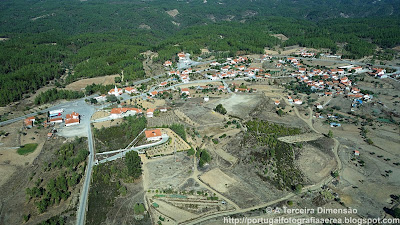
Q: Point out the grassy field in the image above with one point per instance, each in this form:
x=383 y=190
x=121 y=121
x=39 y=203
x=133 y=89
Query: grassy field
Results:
x=27 y=149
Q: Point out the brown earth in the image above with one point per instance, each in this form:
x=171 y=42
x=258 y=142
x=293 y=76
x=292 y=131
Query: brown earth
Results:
x=81 y=84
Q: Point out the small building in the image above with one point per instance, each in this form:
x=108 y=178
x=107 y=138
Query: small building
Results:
x=335 y=125
x=277 y=102
x=167 y=63
x=122 y=112
x=130 y=90
x=181 y=56
x=73 y=115
x=163 y=109
x=55 y=120
x=154 y=93
x=162 y=84
x=206 y=98
x=185 y=91
x=71 y=121
x=356 y=152
x=298 y=102
x=29 y=122
x=101 y=98
x=150 y=113
x=153 y=135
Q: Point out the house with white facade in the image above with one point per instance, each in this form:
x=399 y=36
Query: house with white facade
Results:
x=153 y=135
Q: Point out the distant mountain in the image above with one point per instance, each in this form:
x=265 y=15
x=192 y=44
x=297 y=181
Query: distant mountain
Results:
x=81 y=16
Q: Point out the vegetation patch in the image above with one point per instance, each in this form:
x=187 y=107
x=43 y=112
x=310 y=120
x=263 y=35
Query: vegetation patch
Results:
x=55 y=94
x=106 y=185
x=179 y=129
x=70 y=170
x=27 y=149
x=275 y=158
x=118 y=137
x=203 y=156
x=220 y=109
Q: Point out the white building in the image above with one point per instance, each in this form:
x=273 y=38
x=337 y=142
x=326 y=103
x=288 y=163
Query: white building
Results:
x=153 y=135
x=116 y=91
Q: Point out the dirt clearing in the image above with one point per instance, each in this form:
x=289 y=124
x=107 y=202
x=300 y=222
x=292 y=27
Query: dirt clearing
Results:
x=301 y=138
x=239 y=105
x=173 y=12
x=218 y=180
x=80 y=84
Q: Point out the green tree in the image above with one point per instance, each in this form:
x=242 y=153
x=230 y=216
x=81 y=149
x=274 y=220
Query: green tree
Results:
x=134 y=164
x=191 y=152
x=280 y=112
x=220 y=109
x=330 y=134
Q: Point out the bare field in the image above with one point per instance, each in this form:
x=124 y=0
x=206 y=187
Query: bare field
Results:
x=100 y=114
x=322 y=163
x=365 y=187
x=179 y=215
x=10 y=160
x=239 y=105
x=106 y=124
x=301 y=138
x=167 y=171
x=218 y=180
x=80 y=84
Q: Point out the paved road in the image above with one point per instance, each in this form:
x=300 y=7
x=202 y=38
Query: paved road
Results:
x=122 y=152
x=80 y=218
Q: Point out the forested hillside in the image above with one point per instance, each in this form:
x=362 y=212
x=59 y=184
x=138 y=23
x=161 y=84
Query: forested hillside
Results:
x=44 y=40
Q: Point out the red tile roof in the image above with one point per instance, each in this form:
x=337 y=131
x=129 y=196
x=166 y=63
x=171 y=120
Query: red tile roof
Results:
x=153 y=133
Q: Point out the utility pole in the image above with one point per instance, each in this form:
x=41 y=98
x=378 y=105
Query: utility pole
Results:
x=175 y=150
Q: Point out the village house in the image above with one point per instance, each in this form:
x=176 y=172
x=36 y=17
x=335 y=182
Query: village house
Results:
x=150 y=113
x=29 y=122
x=215 y=63
x=163 y=109
x=153 y=93
x=167 y=63
x=122 y=112
x=153 y=135
x=71 y=121
x=298 y=102
x=55 y=120
x=185 y=91
x=130 y=90
x=181 y=56
x=101 y=98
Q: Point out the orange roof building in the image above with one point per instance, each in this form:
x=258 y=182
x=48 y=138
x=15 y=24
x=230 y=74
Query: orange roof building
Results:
x=153 y=135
